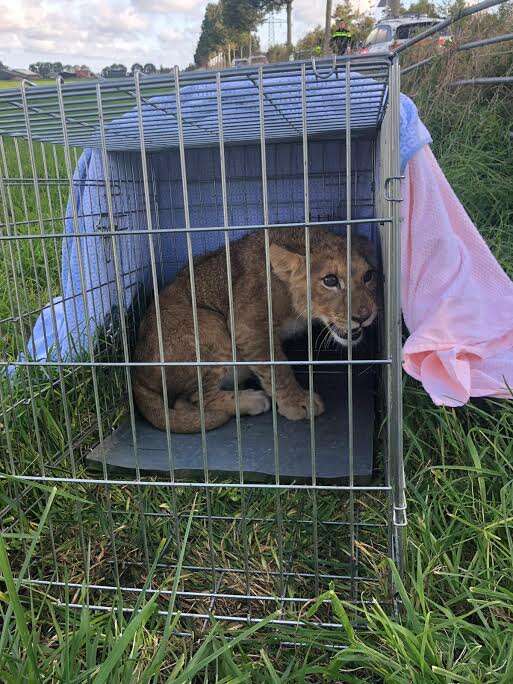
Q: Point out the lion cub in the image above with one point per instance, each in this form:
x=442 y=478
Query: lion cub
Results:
x=289 y=308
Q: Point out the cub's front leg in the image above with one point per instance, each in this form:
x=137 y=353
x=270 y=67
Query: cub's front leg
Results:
x=292 y=400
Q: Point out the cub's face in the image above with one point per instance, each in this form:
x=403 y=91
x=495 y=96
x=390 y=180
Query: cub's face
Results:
x=329 y=284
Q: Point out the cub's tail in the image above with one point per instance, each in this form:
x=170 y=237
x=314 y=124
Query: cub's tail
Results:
x=184 y=417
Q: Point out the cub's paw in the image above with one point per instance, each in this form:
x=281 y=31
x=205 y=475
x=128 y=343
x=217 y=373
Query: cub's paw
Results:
x=297 y=406
x=254 y=402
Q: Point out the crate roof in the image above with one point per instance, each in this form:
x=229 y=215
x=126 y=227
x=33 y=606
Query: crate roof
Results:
x=274 y=89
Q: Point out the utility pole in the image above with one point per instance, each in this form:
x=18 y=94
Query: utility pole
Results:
x=327 y=27
x=395 y=6
x=289 y=26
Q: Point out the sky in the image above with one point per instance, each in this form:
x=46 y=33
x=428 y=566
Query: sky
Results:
x=102 y=32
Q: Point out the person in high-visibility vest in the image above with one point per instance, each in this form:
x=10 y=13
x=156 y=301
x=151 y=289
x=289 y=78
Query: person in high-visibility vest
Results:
x=340 y=38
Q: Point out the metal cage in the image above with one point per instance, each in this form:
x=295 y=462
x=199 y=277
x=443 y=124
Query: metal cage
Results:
x=106 y=190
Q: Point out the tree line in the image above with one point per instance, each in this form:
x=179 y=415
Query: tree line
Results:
x=52 y=69
x=121 y=70
x=48 y=69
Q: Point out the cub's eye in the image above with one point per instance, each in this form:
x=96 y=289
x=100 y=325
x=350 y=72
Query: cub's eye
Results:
x=331 y=280
x=368 y=276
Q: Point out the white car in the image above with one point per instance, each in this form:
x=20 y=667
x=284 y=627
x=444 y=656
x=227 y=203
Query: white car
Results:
x=258 y=59
x=390 y=33
x=240 y=62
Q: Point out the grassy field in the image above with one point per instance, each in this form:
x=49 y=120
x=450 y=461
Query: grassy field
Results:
x=16 y=84
x=457 y=622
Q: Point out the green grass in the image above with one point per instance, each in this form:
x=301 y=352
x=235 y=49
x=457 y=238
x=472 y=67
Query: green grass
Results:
x=457 y=595
x=43 y=81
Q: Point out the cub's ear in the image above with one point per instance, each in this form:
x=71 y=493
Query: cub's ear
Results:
x=284 y=263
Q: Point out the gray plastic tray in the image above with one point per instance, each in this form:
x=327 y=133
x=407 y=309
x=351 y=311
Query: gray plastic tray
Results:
x=258 y=464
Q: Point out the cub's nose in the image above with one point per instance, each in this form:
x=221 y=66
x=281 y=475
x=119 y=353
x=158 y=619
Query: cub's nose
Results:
x=362 y=314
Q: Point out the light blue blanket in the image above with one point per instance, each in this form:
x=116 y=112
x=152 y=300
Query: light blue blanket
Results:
x=90 y=290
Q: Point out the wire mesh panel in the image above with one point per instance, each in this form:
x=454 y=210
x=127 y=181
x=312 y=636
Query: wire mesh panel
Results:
x=111 y=191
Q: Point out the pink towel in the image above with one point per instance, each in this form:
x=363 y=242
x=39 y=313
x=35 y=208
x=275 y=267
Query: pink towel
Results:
x=457 y=301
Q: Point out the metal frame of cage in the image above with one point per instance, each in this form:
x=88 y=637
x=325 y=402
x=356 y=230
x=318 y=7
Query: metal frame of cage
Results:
x=49 y=126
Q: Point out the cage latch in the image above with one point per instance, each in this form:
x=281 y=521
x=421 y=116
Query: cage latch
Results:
x=103 y=226
x=388 y=183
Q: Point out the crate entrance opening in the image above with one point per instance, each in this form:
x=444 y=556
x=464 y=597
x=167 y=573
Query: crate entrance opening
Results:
x=296 y=460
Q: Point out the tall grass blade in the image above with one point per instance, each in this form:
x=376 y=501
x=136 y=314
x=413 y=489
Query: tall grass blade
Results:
x=28 y=557
x=19 y=612
x=113 y=660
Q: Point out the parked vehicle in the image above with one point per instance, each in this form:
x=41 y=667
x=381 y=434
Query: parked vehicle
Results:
x=258 y=59
x=240 y=62
x=390 y=33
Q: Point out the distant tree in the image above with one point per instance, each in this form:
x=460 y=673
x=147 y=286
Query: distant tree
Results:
x=118 y=70
x=246 y=15
x=213 y=36
x=219 y=37
x=255 y=43
x=45 y=69
x=242 y=15
x=311 y=41
x=150 y=69
x=504 y=13
x=421 y=7
x=136 y=67
x=32 y=67
x=388 y=11
x=57 y=67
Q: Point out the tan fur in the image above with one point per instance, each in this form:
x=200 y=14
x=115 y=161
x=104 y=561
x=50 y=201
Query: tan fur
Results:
x=289 y=307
